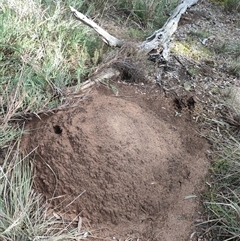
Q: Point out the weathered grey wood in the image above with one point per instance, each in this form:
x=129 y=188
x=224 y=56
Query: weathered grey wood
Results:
x=162 y=36
x=106 y=37
x=159 y=39
x=104 y=74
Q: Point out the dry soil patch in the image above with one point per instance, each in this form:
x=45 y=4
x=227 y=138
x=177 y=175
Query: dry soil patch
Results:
x=138 y=165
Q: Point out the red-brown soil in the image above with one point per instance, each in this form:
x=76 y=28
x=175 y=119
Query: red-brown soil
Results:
x=138 y=164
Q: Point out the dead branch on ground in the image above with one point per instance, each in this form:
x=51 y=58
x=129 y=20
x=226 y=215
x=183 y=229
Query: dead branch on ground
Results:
x=158 y=40
x=161 y=37
x=156 y=46
x=105 y=36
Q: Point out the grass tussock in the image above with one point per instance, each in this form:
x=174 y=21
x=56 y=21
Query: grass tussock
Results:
x=147 y=13
x=232 y=5
x=23 y=213
x=232 y=51
x=223 y=198
x=43 y=49
x=142 y=14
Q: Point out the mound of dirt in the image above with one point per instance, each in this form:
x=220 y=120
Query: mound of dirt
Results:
x=127 y=164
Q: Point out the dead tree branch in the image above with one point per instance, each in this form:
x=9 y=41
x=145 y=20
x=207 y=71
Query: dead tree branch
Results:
x=158 y=40
x=161 y=37
x=106 y=37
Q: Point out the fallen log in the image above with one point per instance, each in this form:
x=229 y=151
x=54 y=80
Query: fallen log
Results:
x=157 y=45
x=158 y=41
x=105 y=36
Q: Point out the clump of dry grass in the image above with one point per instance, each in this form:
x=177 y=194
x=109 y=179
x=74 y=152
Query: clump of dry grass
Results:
x=42 y=51
x=23 y=213
x=232 y=5
x=223 y=198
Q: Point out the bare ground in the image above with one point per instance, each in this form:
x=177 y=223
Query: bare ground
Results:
x=138 y=165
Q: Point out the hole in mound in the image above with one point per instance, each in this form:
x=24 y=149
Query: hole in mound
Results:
x=57 y=129
x=182 y=103
x=191 y=103
x=130 y=72
x=179 y=104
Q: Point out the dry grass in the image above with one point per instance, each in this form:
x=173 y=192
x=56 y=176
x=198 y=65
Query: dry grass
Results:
x=222 y=201
x=23 y=213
